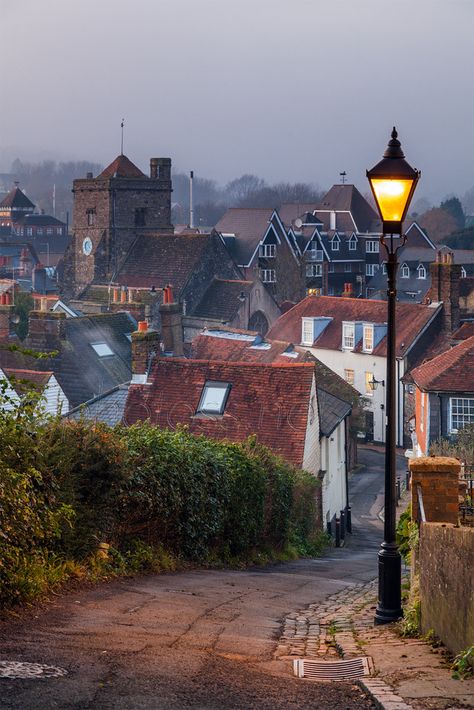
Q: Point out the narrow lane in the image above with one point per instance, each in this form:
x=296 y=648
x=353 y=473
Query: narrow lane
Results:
x=197 y=639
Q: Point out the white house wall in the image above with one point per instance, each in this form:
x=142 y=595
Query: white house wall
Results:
x=334 y=482
x=55 y=401
x=312 y=448
x=340 y=360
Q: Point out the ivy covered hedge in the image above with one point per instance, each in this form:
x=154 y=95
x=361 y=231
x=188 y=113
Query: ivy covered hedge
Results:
x=153 y=496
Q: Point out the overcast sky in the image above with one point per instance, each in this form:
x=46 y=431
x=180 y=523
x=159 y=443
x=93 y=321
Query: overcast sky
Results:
x=295 y=90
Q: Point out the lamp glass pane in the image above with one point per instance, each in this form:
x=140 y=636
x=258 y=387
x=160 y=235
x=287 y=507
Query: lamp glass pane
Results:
x=392 y=196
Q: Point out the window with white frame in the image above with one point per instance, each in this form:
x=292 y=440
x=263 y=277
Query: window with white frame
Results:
x=307 y=331
x=214 y=398
x=59 y=230
x=314 y=269
x=39 y=230
x=384 y=268
x=405 y=271
x=268 y=276
x=422 y=410
x=331 y=268
x=348 y=336
x=371 y=269
x=314 y=253
x=347 y=267
x=463 y=272
x=368 y=338
x=335 y=243
x=349 y=376
x=421 y=272
x=372 y=246
x=461 y=412
x=29 y=231
x=49 y=230
x=267 y=251
x=353 y=243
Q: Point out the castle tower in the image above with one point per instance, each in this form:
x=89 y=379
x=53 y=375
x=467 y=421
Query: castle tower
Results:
x=110 y=211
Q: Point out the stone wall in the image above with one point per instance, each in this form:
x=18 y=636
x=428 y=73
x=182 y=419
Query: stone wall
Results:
x=446 y=566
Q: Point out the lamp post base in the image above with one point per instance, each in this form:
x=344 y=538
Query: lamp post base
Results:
x=389 y=607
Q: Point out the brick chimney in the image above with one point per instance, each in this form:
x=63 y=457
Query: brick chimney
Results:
x=145 y=348
x=445 y=277
x=45 y=329
x=171 y=324
x=6 y=329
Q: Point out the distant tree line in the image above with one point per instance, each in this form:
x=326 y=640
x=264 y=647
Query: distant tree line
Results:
x=446 y=224
x=212 y=200
x=41 y=180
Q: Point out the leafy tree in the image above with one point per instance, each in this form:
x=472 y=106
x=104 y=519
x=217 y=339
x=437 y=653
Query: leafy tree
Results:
x=453 y=206
x=438 y=224
x=24 y=303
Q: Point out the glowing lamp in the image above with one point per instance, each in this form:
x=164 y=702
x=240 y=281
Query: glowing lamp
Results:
x=393 y=183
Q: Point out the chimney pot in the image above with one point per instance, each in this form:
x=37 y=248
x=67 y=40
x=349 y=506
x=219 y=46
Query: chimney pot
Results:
x=142 y=326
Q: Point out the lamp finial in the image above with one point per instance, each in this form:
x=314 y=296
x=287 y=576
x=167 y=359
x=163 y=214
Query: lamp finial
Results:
x=394 y=148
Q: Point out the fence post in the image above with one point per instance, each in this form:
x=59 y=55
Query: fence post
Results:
x=338 y=532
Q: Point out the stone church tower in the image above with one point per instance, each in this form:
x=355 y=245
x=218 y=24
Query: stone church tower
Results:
x=110 y=212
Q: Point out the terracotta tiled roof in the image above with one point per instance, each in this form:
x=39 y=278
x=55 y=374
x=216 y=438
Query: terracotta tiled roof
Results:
x=16 y=198
x=466 y=330
x=271 y=401
x=411 y=320
x=221 y=300
x=211 y=347
x=162 y=259
x=248 y=224
x=452 y=371
x=23 y=380
x=121 y=167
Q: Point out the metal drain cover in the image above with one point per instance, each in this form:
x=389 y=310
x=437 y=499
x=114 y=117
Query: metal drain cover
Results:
x=332 y=670
x=21 y=669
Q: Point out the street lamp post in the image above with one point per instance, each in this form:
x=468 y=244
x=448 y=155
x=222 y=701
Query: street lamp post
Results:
x=393 y=183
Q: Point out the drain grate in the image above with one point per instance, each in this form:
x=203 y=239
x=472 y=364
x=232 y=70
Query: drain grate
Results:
x=332 y=670
x=21 y=669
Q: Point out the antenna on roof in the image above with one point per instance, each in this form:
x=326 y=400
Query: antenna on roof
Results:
x=343 y=177
x=121 y=142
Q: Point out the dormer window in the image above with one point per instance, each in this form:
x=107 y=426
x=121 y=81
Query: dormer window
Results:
x=463 y=272
x=214 y=398
x=405 y=271
x=353 y=243
x=348 y=336
x=368 y=338
x=307 y=331
x=335 y=241
x=421 y=272
x=267 y=251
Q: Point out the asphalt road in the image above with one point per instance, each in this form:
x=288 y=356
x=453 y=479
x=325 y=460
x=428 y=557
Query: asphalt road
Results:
x=199 y=639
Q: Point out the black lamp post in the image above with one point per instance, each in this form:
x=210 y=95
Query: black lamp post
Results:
x=393 y=183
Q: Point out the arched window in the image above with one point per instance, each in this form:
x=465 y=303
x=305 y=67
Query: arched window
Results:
x=405 y=272
x=421 y=272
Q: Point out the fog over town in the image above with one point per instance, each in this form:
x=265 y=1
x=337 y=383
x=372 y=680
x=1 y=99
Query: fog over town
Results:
x=289 y=91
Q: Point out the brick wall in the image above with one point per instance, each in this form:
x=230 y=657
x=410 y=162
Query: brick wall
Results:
x=446 y=565
x=438 y=477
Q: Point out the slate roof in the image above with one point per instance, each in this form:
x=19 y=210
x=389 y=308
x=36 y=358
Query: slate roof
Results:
x=249 y=225
x=40 y=220
x=412 y=318
x=452 y=371
x=121 y=167
x=108 y=407
x=221 y=300
x=81 y=373
x=332 y=411
x=16 y=199
x=294 y=210
x=271 y=401
x=348 y=198
x=162 y=259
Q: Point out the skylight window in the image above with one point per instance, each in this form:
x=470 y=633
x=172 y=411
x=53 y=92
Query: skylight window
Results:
x=102 y=349
x=214 y=398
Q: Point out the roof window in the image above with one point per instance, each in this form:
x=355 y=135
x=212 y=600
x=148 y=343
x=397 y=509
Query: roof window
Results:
x=214 y=398
x=102 y=349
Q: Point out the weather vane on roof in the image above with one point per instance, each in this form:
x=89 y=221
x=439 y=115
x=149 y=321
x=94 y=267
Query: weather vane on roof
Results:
x=121 y=143
x=343 y=177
